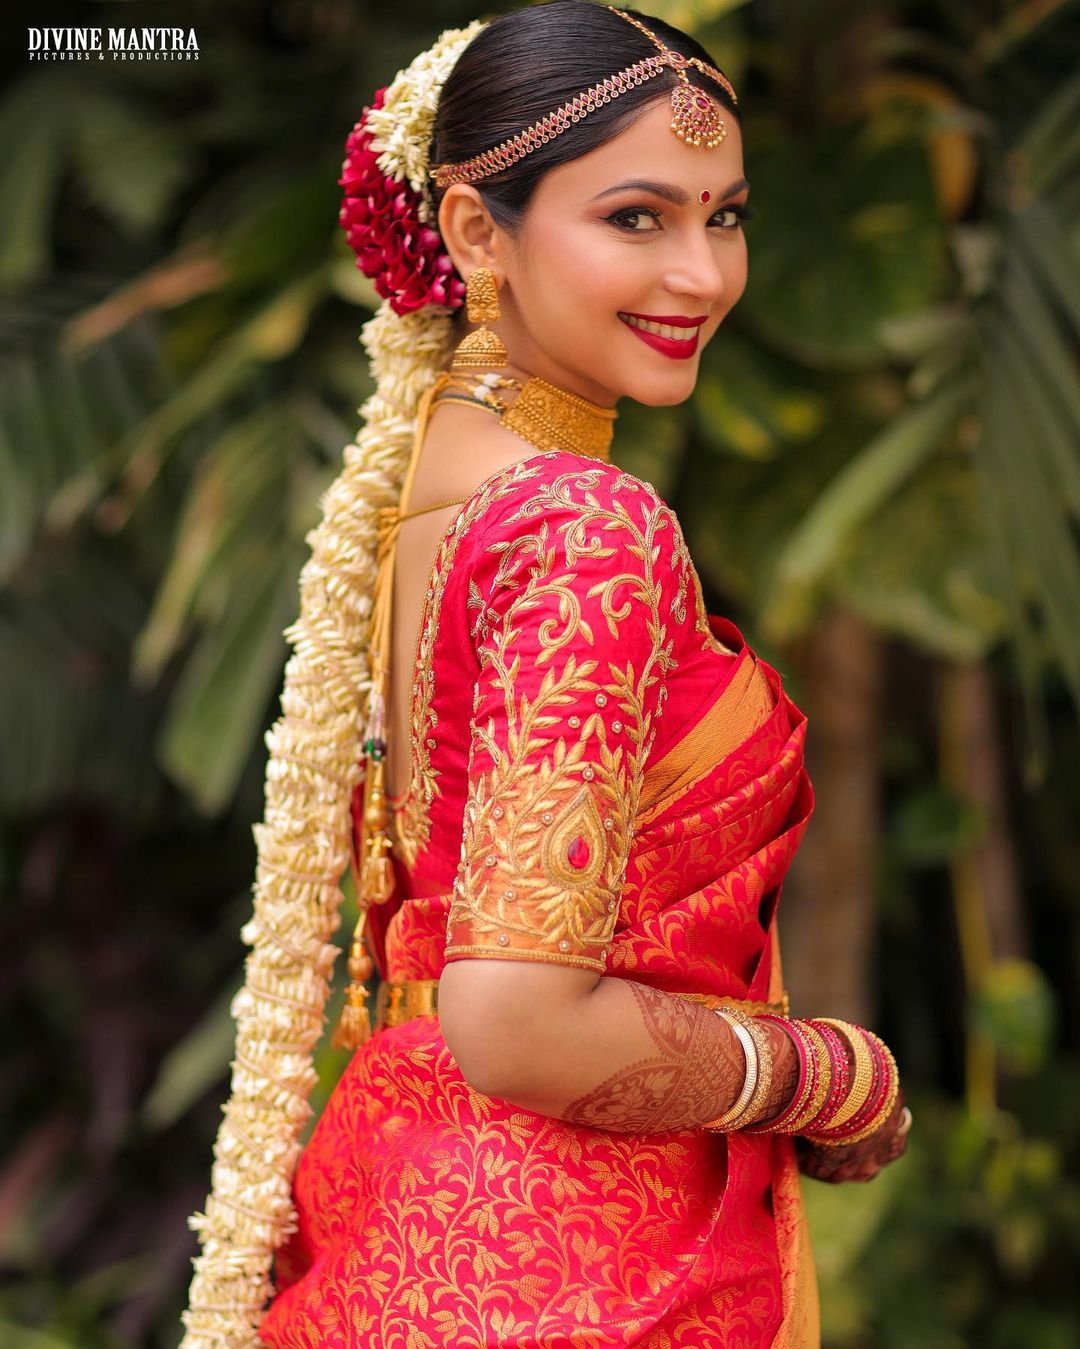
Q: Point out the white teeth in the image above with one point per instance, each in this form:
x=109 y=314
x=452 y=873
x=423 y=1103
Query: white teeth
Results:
x=661 y=329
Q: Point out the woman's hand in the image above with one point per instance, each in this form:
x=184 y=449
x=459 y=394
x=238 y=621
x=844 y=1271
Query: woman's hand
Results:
x=859 y=1161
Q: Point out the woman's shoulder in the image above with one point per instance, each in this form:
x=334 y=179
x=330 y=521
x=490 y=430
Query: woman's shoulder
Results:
x=561 y=488
x=585 y=521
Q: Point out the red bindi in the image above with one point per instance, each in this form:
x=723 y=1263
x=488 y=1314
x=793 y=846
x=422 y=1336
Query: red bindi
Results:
x=704 y=196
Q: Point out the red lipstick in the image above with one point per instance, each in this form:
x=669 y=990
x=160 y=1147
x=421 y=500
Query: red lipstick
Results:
x=678 y=349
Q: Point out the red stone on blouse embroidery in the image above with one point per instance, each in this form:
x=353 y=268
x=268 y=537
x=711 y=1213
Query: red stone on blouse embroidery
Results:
x=578 y=853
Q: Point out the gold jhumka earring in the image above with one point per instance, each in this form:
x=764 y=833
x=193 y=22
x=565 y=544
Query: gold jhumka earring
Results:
x=541 y=413
x=483 y=349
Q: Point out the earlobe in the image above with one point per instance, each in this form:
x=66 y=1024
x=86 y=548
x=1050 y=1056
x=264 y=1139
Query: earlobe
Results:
x=468 y=230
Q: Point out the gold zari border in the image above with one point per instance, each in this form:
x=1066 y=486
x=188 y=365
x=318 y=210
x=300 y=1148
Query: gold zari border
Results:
x=399 y=1001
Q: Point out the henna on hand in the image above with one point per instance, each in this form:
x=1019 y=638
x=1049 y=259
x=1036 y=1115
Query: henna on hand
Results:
x=694 y=1075
x=858 y=1161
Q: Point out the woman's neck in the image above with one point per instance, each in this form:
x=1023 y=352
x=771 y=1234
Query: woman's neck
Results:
x=540 y=412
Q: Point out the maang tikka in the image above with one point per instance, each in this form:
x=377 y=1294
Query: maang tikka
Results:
x=483 y=349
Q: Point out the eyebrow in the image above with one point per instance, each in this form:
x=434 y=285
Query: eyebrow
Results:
x=666 y=190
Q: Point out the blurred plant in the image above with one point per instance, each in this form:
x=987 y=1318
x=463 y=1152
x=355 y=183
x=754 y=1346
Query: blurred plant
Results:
x=899 y=409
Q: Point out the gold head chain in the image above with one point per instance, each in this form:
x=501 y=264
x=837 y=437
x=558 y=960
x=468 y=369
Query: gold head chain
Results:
x=696 y=116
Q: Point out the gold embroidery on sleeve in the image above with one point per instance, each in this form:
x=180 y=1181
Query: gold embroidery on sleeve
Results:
x=411 y=824
x=548 y=826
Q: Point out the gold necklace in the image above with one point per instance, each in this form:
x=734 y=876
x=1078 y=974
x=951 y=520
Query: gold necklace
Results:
x=543 y=414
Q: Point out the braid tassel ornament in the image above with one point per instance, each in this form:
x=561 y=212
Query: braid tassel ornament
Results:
x=375 y=871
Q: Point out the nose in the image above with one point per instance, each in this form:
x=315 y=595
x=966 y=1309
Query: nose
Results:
x=696 y=268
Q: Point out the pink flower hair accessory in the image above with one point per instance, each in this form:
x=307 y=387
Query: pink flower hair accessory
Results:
x=380 y=214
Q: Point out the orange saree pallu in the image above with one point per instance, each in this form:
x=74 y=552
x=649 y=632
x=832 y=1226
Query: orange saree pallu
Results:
x=626 y=796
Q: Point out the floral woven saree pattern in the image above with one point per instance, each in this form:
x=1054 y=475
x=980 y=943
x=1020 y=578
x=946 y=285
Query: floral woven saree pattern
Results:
x=626 y=796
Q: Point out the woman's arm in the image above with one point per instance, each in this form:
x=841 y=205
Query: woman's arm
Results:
x=618 y=1055
x=606 y=1052
x=577 y=596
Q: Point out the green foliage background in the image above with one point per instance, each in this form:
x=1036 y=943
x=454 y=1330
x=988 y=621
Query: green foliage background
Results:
x=889 y=427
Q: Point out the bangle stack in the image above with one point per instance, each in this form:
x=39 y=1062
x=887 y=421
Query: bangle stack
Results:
x=847 y=1084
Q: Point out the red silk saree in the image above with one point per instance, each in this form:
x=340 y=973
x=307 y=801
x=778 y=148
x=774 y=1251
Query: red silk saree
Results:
x=625 y=795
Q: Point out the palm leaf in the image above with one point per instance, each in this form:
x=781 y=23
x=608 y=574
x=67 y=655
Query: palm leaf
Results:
x=220 y=702
x=861 y=488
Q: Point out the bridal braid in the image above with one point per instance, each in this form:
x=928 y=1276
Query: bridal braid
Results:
x=315 y=762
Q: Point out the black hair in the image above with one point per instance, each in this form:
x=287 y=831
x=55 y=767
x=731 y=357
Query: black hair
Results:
x=529 y=62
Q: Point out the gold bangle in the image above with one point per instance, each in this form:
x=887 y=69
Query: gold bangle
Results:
x=862 y=1075
x=823 y=1084
x=886 y=1107
x=781 y=1119
x=759 y=1101
x=724 y=1122
x=883 y=1111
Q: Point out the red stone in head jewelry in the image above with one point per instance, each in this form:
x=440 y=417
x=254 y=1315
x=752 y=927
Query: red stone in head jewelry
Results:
x=696 y=116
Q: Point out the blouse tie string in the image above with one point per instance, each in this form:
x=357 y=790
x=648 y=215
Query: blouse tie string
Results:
x=373 y=872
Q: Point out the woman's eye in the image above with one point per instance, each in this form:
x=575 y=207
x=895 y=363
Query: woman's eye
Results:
x=644 y=220
x=739 y=214
x=635 y=220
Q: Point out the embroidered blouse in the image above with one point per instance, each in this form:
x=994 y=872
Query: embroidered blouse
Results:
x=581 y=600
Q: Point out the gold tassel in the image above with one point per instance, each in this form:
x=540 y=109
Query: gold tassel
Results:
x=375 y=874
x=374 y=885
x=379 y=878
x=354 y=1025
x=376 y=870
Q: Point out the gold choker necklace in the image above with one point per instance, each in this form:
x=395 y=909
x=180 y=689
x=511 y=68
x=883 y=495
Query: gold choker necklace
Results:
x=541 y=413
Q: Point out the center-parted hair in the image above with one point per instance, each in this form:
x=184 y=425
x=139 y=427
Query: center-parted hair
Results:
x=524 y=64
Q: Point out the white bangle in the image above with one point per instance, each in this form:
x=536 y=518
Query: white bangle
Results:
x=730 y=1117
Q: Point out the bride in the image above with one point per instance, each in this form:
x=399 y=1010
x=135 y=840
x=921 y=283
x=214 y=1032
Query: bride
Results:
x=578 y=1111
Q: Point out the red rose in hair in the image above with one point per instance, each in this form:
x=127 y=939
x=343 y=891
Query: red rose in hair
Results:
x=380 y=217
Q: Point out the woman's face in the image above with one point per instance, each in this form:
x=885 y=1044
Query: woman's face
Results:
x=618 y=238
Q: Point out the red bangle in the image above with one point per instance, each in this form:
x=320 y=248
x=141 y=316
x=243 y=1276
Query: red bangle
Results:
x=821 y=1067
x=881 y=1098
x=807 y=1074
x=841 y=1077
x=854 y=1124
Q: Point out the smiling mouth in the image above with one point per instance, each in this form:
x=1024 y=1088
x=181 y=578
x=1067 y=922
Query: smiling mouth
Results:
x=686 y=330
